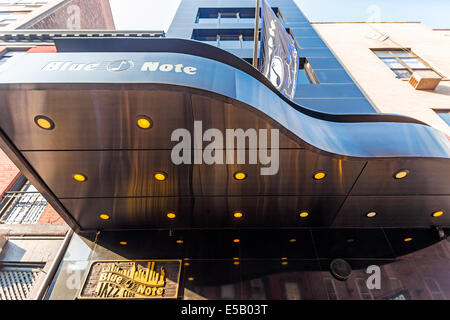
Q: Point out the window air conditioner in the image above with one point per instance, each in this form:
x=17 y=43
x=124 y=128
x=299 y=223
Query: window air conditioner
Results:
x=424 y=80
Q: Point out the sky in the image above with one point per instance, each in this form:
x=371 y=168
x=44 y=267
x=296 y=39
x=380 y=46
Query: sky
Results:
x=158 y=14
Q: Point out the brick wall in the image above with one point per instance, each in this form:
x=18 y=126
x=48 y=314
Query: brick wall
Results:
x=8 y=173
x=50 y=216
x=79 y=14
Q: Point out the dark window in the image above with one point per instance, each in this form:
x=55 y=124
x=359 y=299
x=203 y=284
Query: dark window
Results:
x=229 y=15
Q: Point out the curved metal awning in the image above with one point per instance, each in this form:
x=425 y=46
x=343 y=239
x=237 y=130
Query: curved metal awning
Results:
x=94 y=99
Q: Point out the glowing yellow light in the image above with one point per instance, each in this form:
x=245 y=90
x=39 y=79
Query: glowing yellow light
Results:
x=235 y=258
x=236 y=240
x=160 y=176
x=292 y=240
x=44 y=122
x=124 y=243
x=79 y=177
x=238 y=215
x=187 y=264
x=143 y=123
x=284 y=258
x=304 y=214
x=191 y=278
x=171 y=215
x=401 y=174
x=240 y=175
x=236 y=263
x=180 y=241
x=437 y=214
x=104 y=216
x=284 y=263
x=371 y=214
x=407 y=239
x=319 y=175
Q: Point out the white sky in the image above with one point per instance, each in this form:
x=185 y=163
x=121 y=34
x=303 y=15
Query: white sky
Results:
x=158 y=14
x=143 y=14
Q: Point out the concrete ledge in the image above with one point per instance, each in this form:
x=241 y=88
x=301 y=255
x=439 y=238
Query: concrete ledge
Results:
x=41 y=229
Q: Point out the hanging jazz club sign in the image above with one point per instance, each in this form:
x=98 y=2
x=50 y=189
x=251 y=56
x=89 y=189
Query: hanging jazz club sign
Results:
x=125 y=279
x=279 y=60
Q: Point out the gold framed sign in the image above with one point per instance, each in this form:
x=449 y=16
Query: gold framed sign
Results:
x=132 y=279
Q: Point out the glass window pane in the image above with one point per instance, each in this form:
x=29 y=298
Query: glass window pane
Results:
x=402 y=74
x=444 y=116
x=382 y=53
x=414 y=63
x=402 y=53
x=392 y=63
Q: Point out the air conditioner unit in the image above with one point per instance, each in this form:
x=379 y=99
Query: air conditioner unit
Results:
x=424 y=80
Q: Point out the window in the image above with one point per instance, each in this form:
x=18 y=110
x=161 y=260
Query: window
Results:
x=24 y=206
x=364 y=292
x=444 y=115
x=331 y=288
x=17 y=280
x=229 y=15
x=225 y=38
x=403 y=62
x=434 y=289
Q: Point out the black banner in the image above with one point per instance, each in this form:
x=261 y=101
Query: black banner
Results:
x=279 y=60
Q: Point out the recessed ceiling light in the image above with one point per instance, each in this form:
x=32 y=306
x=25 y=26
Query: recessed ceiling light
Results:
x=44 y=122
x=437 y=213
x=238 y=215
x=180 y=241
x=319 y=175
x=407 y=239
x=304 y=214
x=171 y=215
x=124 y=243
x=240 y=175
x=160 y=176
x=144 y=122
x=79 y=177
x=401 y=174
x=104 y=216
x=237 y=240
x=371 y=214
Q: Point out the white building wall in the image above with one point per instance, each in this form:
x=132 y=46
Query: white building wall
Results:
x=352 y=44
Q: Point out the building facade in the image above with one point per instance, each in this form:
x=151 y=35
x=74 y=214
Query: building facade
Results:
x=355 y=181
x=32 y=233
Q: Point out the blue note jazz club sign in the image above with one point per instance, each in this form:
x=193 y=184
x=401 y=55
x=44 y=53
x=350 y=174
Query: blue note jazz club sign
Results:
x=279 y=60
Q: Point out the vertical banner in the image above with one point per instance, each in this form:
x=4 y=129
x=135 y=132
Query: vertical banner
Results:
x=279 y=60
